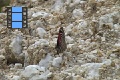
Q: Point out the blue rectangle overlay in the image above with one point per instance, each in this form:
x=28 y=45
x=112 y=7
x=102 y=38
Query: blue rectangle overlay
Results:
x=16 y=9
x=16 y=16
x=16 y=24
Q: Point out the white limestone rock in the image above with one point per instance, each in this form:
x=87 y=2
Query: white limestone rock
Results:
x=15 y=45
x=75 y=2
x=35 y=72
x=57 y=5
x=46 y=61
x=33 y=0
x=39 y=24
x=70 y=46
x=78 y=13
x=81 y=41
x=15 y=78
x=94 y=51
x=77 y=77
x=81 y=47
x=117 y=44
x=92 y=70
x=117 y=27
x=43 y=76
x=38 y=77
x=107 y=61
x=82 y=24
x=102 y=38
x=18 y=66
x=40 y=14
x=31 y=71
x=68 y=29
x=106 y=19
x=41 y=32
x=69 y=39
x=40 y=42
x=68 y=2
x=53 y=42
x=56 y=61
x=43 y=42
x=30 y=13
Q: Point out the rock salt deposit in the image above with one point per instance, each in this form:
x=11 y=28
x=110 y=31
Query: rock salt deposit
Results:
x=92 y=34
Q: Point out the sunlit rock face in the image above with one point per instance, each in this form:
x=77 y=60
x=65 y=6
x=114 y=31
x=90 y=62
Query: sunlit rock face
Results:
x=92 y=35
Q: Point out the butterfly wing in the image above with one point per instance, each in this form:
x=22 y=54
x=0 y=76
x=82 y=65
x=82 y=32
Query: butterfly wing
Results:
x=61 y=44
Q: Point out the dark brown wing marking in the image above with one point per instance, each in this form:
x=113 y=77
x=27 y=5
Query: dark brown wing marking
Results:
x=61 y=44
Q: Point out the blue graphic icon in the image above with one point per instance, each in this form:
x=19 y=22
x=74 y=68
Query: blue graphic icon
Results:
x=17 y=9
x=16 y=24
x=16 y=17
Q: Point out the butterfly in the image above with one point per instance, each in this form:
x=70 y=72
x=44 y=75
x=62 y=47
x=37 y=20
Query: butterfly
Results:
x=61 y=44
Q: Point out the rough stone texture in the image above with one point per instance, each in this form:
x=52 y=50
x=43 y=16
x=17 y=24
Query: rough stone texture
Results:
x=92 y=31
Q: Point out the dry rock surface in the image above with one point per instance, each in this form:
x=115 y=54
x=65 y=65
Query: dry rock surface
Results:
x=92 y=34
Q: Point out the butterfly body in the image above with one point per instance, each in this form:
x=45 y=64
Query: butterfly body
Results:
x=61 y=44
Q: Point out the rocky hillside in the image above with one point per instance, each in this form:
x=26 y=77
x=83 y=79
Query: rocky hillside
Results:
x=92 y=34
